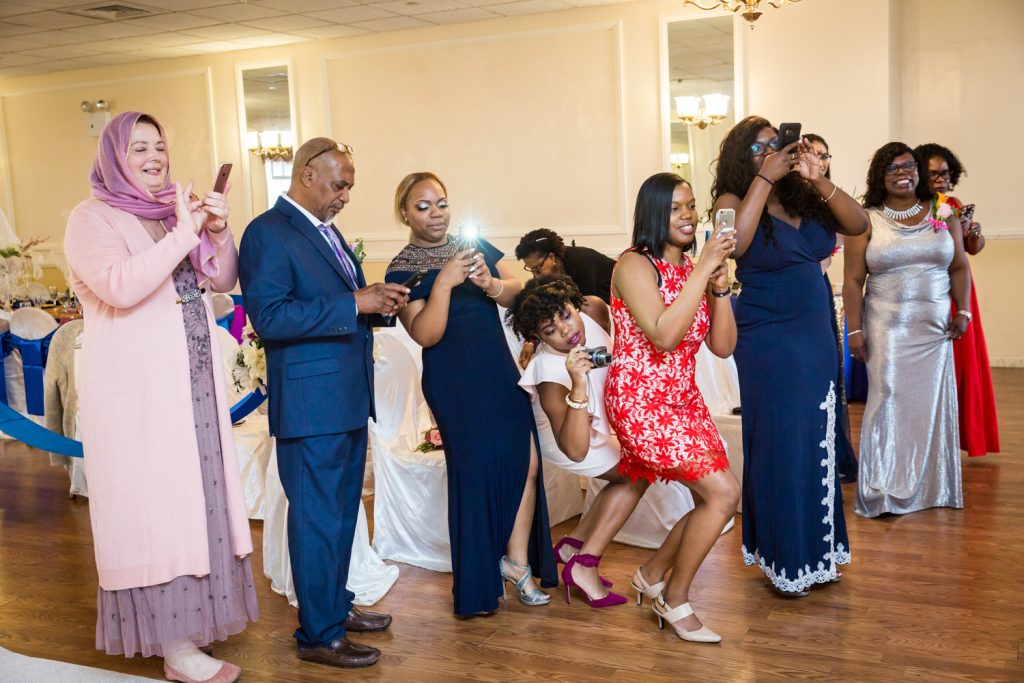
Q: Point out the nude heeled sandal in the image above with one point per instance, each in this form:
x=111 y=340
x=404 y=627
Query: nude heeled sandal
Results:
x=642 y=588
x=674 y=614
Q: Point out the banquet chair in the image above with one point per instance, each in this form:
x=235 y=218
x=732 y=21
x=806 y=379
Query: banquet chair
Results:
x=223 y=310
x=719 y=384
x=30 y=331
x=410 y=510
x=60 y=397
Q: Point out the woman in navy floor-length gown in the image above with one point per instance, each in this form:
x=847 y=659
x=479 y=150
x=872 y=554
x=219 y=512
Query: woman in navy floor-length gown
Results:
x=787 y=214
x=471 y=384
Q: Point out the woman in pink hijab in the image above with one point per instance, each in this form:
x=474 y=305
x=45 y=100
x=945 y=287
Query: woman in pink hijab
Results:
x=168 y=516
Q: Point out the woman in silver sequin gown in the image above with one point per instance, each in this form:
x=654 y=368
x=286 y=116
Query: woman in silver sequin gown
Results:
x=912 y=262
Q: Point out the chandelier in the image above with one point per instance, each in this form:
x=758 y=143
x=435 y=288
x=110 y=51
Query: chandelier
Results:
x=751 y=11
x=702 y=111
x=270 y=144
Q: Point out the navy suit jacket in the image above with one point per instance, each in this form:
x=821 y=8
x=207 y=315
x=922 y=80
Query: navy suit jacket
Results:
x=302 y=305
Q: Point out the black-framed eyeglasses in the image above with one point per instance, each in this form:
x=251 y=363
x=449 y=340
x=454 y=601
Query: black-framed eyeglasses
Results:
x=908 y=166
x=536 y=270
x=341 y=147
x=939 y=175
x=759 y=148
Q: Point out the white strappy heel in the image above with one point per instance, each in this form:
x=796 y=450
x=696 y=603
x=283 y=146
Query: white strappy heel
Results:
x=674 y=614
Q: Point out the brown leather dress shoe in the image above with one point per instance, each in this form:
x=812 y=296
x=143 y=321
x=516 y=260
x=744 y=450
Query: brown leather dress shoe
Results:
x=361 y=621
x=341 y=652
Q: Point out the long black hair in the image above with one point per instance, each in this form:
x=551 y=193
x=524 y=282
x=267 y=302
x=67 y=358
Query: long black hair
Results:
x=654 y=211
x=735 y=172
x=874 y=196
x=931 y=150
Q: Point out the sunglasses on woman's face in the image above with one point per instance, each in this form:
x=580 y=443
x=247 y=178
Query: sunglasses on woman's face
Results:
x=761 y=148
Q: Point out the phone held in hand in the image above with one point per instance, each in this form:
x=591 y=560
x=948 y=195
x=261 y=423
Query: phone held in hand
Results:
x=967 y=213
x=788 y=134
x=415 y=278
x=222 y=178
x=468 y=234
x=728 y=217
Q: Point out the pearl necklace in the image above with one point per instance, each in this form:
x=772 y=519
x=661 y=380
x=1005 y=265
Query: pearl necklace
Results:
x=902 y=215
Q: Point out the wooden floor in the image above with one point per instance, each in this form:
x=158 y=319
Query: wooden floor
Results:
x=936 y=595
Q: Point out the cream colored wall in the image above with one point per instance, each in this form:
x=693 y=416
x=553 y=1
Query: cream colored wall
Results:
x=568 y=153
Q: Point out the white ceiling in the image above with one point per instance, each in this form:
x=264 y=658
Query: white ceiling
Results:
x=40 y=36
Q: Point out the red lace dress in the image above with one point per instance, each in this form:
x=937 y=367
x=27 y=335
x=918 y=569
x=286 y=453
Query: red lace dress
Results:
x=654 y=406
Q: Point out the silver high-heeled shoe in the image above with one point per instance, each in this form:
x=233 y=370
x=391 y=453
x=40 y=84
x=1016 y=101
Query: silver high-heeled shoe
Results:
x=531 y=598
x=642 y=588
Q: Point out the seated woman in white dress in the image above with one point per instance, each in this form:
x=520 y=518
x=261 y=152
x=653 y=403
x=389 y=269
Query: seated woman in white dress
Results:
x=567 y=392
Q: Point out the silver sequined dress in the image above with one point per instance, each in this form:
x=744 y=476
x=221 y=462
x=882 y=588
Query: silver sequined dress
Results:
x=909 y=440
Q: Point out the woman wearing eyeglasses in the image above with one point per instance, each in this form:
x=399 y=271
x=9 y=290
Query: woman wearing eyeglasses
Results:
x=912 y=258
x=787 y=216
x=979 y=427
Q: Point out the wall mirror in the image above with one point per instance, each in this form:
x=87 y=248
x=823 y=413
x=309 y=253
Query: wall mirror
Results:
x=269 y=133
x=701 y=89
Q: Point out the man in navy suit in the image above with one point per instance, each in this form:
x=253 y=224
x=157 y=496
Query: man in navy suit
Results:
x=307 y=299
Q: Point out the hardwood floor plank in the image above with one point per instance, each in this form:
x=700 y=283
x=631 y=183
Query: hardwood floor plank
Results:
x=935 y=595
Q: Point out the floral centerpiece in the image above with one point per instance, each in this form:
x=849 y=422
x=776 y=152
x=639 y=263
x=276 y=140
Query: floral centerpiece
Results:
x=431 y=441
x=17 y=269
x=941 y=209
x=250 y=371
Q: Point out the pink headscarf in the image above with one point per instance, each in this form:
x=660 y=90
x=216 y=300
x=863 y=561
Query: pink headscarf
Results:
x=113 y=182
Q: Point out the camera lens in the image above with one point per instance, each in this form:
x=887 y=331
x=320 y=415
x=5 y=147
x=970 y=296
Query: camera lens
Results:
x=599 y=356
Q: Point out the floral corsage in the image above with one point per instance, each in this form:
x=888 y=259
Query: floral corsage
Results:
x=358 y=248
x=941 y=210
x=431 y=441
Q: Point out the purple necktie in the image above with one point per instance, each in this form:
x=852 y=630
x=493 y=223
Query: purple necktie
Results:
x=346 y=264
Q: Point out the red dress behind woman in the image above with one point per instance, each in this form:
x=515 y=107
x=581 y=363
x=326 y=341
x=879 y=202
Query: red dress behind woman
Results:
x=979 y=427
x=654 y=405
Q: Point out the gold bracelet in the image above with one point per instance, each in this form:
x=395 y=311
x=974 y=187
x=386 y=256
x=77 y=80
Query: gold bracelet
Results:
x=574 y=404
x=834 y=189
x=502 y=283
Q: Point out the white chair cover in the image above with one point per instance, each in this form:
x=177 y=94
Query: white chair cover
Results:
x=253 y=443
x=718 y=381
x=368 y=576
x=27 y=323
x=222 y=305
x=410 y=509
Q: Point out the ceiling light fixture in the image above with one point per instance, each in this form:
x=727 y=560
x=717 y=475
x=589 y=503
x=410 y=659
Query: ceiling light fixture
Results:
x=750 y=8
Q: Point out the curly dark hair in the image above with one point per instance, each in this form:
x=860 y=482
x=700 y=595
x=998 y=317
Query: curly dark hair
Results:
x=875 y=195
x=541 y=300
x=735 y=171
x=931 y=150
x=540 y=241
x=654 y=211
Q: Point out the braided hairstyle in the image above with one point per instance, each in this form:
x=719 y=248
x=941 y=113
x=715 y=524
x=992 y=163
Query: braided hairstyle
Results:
x=735 y=171
x=541 y=299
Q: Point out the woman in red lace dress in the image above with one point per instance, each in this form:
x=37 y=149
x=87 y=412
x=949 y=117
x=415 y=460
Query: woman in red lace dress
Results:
x=661 y=317
x=979 y=428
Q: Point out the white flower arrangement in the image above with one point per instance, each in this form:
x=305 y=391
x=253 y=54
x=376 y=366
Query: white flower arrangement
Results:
x=250 y=371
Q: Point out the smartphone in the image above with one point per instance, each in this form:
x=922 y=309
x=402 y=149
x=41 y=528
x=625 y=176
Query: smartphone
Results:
x=788 y=134
x=222 y=178
x=727 y=216
x=415 y=278
x=468 y=234
x=967 y=213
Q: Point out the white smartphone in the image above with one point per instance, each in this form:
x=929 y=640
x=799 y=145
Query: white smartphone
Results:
x=727 y=216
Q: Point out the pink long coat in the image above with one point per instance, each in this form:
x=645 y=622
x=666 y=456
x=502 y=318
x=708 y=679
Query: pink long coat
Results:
x=141 y=457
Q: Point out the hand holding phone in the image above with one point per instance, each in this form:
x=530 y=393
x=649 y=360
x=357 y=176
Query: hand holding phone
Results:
x=725 y=222
x=788 y=134
x=221 y=183
x=967 y=213
x=415 y=278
